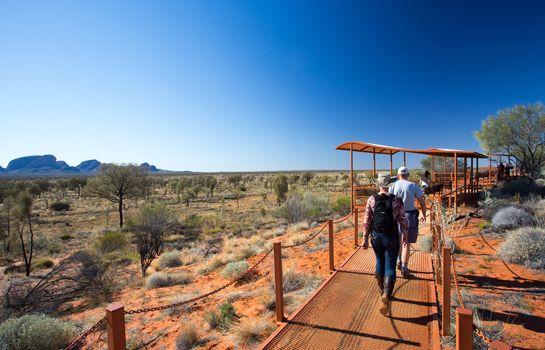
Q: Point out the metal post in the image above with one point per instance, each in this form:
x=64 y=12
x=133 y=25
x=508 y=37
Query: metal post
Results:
x=445 y=297
x=351 y=177
x=490 y=170
x=115 y=326
x=404 y=158
x=477 y=177
x=331 y=257
x=278 y=283
x=391 y=164
x=464 y=329
x=355 y=227
x=465 y=179
x=471 y=180
x=432 y=169
x=374 y=164
x=455 y=180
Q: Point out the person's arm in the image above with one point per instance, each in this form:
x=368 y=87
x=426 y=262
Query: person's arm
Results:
x=422 y=202
x=399 y=213
x=367 y=220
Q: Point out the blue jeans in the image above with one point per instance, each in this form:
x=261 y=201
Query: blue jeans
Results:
x=386 y=249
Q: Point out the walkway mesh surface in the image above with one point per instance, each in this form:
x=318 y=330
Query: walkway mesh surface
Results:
x=344 y=313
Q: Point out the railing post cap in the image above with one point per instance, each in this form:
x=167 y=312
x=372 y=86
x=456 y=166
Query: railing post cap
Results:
x=498 y=345
x=114 y=307
x=463 y=311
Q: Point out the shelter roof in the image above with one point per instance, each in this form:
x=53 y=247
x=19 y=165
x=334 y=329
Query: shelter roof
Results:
x=358 y=146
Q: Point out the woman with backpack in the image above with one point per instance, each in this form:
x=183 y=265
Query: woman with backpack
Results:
x=384 y=216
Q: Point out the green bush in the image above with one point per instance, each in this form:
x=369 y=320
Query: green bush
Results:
x=304 y=206
x=234 y=269
x=170 y=259
x=111 y=241
x=42 y=263
x=66 y=236
x=160 y=280
x=342 y=205
x=222 y=318
x=35 y=332
x=59 y=206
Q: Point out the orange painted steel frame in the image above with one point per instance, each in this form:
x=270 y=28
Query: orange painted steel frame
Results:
x=464 y=329
x=115 y=326
x=331 y=248
x=278 y=283
x=445 y=296
x=374 y=149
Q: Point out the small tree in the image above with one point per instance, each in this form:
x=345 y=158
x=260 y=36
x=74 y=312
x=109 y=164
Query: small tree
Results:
x=24 y=217
x=307 y=178
x=7 y=208
x=519 y=132
x=76 y=184
x=117 y=184
x=149 y=227
x=211 y=183
x=280 y=187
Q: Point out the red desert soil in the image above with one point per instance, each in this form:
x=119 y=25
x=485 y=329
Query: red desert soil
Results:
x=161 y=329
x=511 y=294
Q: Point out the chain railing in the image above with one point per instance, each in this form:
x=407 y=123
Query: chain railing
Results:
x=115 y=313
x=464 y=316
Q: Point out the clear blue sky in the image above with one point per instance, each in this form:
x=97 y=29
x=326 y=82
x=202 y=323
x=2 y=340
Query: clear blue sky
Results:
x=259 y=85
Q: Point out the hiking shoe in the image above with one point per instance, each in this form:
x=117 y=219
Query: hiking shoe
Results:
x=405 y=273
x=399 y=265
x=385 y=305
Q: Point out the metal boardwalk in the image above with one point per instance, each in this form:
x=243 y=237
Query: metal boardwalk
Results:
x=343 y=312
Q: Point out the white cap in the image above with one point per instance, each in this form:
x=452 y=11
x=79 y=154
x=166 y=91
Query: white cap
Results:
x=403 y=170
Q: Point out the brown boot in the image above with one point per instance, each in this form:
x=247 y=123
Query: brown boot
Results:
x=380 y=282
x=389 y=283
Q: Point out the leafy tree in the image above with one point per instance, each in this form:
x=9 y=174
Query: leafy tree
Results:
x=280 y=187
x=23 y=214
x=76 y=184
x=307 y=178
x=439 y=164
x=118 y=183
x=293 y=179
x=182 y=185
x=234 y=180
x=149 y=227
x=7 y=208
x=519 y=132
x=188 y=195
x=211 y=183
x=35 y=190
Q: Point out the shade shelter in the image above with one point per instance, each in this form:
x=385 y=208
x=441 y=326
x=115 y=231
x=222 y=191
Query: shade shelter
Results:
x=455 y=182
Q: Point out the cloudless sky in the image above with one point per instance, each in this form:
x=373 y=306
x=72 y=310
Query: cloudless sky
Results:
x=259 y=85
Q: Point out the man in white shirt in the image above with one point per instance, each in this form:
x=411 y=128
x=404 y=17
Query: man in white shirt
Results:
x=409 y=192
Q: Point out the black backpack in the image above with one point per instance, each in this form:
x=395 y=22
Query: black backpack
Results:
x=383 y=217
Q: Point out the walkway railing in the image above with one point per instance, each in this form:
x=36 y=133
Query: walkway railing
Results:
x=445 y=261
x=114 y=317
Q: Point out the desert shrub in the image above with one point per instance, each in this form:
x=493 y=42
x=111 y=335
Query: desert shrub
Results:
x=424 y=243
x=308 y=206
x=111 y=241
x=252 y=330
x=161 y=280
x=234 y=269
x=524 y=186
x=342 y=205
x=525 y=246
x=42 y=263
x=80 y=275
x=187 y=339
x=59 y=206
x=35 y=332
x=65 y=237
x=490 y=206
x=511 y=217
x=170 y=259
x=536 y=206
x=222 y=318
x=293 y=281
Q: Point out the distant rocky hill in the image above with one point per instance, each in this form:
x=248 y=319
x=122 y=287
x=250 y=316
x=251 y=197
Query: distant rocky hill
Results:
x=48 y=165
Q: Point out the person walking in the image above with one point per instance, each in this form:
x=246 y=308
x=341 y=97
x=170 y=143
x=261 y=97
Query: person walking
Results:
x=384 y=217
x=409 y=193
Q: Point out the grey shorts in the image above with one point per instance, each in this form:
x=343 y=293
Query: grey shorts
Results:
x=412 y=220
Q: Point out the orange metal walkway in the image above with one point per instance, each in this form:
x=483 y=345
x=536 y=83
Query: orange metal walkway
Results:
x=343 y=312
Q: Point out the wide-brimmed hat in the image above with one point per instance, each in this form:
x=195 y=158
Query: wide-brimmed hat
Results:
x=383 y=180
